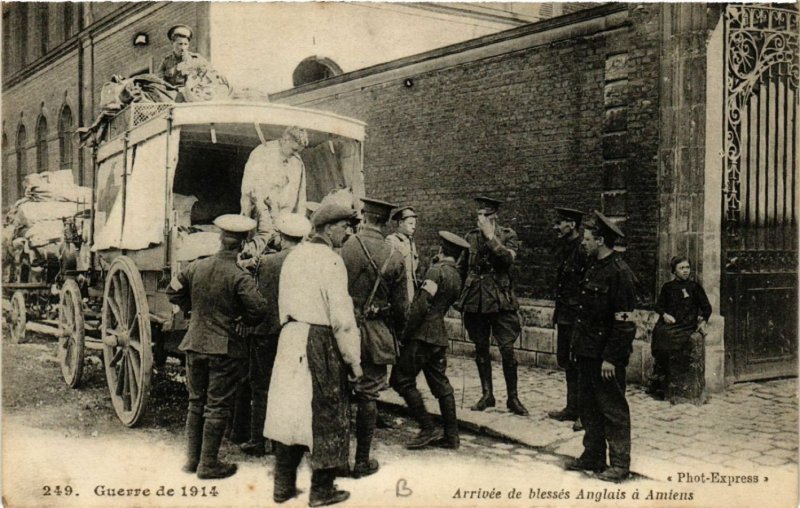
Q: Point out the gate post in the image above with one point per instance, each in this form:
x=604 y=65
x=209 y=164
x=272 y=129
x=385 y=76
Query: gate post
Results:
x=712 y=207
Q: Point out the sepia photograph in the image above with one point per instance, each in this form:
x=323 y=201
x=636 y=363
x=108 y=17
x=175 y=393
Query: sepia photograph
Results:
x=411 y=254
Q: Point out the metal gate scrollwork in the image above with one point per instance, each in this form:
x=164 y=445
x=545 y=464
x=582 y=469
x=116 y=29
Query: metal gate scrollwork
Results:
x=760 y=187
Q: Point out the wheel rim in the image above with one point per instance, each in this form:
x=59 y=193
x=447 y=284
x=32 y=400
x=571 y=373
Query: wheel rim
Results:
x=71 y=336
x=127 y=351
x=18 y=317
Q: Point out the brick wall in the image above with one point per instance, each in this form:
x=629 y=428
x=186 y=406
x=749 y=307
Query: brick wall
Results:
x=526 y=125
x=109 y=52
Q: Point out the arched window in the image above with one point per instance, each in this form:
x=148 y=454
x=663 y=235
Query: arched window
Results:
x=22 y=158
x=65 y=138
x=41 y=144
x=313 y=69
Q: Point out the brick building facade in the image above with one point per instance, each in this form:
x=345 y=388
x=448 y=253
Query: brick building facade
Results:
x=614 y=107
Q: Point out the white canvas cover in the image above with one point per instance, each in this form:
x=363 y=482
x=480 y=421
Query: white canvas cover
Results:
x=150 y=170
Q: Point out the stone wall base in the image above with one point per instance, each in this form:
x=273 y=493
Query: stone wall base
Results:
x=537 y=344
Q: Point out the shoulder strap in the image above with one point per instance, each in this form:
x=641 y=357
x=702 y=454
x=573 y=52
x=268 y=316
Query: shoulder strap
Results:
x=379 y=271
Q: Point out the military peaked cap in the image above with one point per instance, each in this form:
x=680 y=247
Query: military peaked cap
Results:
x=329 y=213
x=606 y=226
x=235 y=223
x=453 y=239
x=403 y=213
x=180 y=30
x=487 y=203
x=293 y=224
x=570 y=214
x=382 y=209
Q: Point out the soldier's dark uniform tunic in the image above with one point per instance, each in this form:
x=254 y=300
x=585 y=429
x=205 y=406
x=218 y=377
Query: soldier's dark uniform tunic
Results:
x=378 y=344
x=217 y=292
x=425 y=335
x=604 y=331
x=571 y=268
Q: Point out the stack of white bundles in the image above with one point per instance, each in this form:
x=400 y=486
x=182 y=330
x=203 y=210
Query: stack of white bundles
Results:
x=44 y=233
x=31 y=212
x=56 y=186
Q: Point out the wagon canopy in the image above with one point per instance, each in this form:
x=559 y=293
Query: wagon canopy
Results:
x=134 y=180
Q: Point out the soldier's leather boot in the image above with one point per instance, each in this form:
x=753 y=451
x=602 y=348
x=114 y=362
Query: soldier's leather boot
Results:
x=210 y=467
x=194 y=438
x=484 y=364
x=510 y=373
x=447 y=405
x=428 y=433
x=365 y=429
x=287 y=458
x=323 y=490
x=257 y=445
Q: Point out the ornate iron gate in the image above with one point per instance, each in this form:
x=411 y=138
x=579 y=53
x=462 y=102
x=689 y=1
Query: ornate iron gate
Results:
x=759 y=247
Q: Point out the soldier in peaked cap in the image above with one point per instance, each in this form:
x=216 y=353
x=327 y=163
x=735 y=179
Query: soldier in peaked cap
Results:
x=572 y=263
x=488 y=302
x=403 y=241
x=264 y=339
x=425 y=346
x=602 y=342
x=377 y=284
x=171 y=69
x=218 y=293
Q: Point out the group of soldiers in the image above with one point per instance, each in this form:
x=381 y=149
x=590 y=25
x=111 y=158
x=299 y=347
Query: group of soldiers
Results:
x=334 y=308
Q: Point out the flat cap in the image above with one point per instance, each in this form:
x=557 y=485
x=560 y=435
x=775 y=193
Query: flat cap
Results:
x=570 y=214
x=382 y=209
x=453 y=239
x=235 y=223
x=403 y=213
x=606 y=226
x=328 y=213
x=293 y=224
x=487 y=203
x=180 y=30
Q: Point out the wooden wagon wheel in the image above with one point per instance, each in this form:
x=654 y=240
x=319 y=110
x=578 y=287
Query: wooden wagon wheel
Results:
x=127 y=349
x=19 y=317
x=71 y=333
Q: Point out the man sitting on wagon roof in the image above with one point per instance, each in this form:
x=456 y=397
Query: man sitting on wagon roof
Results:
x=274 y=182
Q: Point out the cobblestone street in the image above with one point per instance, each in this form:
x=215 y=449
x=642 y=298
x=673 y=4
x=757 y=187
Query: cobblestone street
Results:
x=749 y=426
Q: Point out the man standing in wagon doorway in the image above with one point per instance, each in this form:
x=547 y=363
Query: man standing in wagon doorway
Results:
x=274 y=182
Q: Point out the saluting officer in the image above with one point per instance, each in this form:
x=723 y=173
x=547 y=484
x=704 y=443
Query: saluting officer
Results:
x=293 y=228
x=602 y=343
x=403 y=240
x=489 y=304
x=217 y=292
x=425 y=346
x=572 y=263
x=377 y=283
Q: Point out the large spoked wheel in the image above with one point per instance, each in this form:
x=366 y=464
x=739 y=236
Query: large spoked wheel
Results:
x=127 y=350
x=71 y=333
x=19 y=317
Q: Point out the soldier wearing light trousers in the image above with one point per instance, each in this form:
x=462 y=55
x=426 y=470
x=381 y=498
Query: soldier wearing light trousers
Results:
x=488 y=303
x=602 y=343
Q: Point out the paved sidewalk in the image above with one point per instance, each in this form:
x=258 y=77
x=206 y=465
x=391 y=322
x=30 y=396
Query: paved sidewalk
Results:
x=746 y=428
